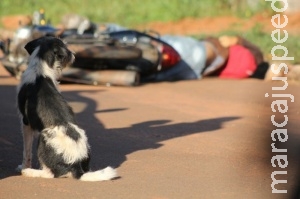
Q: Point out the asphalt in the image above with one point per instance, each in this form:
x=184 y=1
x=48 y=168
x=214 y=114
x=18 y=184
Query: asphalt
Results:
x=202 y=139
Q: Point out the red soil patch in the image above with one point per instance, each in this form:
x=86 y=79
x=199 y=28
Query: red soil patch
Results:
x=207 y=25
x=212 y=25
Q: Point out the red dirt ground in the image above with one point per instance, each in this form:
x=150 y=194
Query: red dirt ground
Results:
x=207 y=25
x=212 y=25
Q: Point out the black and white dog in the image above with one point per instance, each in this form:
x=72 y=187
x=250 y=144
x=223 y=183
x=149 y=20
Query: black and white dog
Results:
x=63 y=149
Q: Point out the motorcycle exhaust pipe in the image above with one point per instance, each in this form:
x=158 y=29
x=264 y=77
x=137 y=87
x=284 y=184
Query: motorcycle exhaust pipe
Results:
x=101 y=77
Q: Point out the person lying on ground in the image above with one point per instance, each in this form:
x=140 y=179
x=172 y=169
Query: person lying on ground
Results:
x=225 y=57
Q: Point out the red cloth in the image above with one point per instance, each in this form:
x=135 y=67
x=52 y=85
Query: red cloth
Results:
x=240 y=64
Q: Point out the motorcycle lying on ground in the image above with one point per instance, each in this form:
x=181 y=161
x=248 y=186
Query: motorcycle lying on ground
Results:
x=123 y=57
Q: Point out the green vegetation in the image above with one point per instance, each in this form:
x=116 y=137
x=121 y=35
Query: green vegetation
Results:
x=130 y=12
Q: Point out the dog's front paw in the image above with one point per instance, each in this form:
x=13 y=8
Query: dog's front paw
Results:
x=28 y=172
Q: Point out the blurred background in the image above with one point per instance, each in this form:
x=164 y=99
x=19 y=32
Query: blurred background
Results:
x=134 y=12
x=248 y=18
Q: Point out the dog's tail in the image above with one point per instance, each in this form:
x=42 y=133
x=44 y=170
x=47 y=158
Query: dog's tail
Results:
x=105 y=174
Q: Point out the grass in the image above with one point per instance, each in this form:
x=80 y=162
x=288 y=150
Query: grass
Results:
x=127 y=13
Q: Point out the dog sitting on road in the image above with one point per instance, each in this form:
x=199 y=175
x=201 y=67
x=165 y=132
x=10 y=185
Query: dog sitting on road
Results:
x=63 y=149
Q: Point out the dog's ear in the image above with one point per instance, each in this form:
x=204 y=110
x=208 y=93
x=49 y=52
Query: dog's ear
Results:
x=30 y=46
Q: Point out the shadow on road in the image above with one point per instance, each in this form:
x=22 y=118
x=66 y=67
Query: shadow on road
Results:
x=10 y=137
x=109 y=146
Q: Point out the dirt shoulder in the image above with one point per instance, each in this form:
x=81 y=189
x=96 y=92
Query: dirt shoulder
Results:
x=213 y=25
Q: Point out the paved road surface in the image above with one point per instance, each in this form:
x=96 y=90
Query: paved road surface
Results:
x=196 y=139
